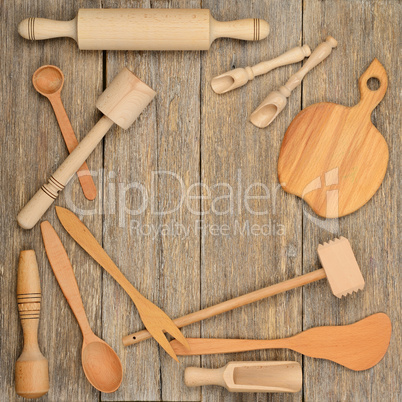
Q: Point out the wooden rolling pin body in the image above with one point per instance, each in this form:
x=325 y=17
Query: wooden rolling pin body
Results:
x=143 y=29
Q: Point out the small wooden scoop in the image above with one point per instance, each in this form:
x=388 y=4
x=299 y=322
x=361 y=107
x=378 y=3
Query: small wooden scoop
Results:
x=240 y=76
x=358 y=346
x=332 y=156
x=249 y=377
x=276 y=101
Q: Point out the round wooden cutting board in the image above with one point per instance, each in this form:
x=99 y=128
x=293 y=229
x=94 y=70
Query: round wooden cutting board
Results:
x=332 y=156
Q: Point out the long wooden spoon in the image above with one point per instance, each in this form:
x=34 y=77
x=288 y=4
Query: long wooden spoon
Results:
x=154 y=319
x=48 y=81
x=101 y=364
x=357 y=346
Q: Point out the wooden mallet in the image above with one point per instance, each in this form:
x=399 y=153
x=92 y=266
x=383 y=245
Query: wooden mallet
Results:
x=121 y=103
x=339 y=267
x=31 y=368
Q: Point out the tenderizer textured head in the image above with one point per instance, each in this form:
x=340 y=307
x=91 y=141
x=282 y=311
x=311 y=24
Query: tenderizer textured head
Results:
x=340 y=265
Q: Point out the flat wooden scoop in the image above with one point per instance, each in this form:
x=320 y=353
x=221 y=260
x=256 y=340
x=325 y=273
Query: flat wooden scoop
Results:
x=332 y=156
x=357 y=346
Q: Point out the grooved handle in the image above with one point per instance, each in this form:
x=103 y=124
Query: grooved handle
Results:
x=233 y=303
x=43 y=199
x=247 y=29
x=29 y=297
x=31 y=368
x=42 y=28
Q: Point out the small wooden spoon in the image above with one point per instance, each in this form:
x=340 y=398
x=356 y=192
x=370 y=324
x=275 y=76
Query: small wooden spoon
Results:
x=48 y=81
x=357 y=346
x=101 y=364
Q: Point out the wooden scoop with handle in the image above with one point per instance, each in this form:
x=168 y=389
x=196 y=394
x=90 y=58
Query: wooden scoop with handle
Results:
x=154 y=319
x=276 y=101
x=332 y=156
x=357 y=346
x=249 y=377
x=240 y=76
x=143 y=29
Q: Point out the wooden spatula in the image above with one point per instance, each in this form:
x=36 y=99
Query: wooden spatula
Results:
x=358 y=346
x=154 y=319
x=332 y=156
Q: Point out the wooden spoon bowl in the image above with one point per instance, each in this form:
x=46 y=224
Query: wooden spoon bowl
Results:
x=101 y=365
x=48 y=80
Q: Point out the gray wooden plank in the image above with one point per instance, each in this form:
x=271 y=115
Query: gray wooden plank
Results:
x=364 y=30
x=233 y=150
x=165 y=139
x=38 y=144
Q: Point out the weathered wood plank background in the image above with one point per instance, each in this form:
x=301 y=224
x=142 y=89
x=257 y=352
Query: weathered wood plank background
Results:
x=190 y=135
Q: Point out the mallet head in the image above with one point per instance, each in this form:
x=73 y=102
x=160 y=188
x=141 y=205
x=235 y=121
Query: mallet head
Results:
x=125 y=98
x=340 y=265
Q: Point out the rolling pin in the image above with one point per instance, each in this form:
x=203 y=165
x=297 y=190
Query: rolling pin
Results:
x=143 y=29
x=31 y=368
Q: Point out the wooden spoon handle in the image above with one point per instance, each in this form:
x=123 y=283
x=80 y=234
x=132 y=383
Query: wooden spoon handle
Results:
x=84 y=176
x=63 y=271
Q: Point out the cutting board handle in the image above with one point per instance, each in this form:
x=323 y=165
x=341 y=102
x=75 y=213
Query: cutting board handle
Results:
x=369 y=99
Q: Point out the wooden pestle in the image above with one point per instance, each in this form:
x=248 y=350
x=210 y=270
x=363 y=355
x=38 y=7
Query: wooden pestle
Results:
x=276 y=101
x=121 y=103
x=143 y=29
x=31 y=368
x=240 y=76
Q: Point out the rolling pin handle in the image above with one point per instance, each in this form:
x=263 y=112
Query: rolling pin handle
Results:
x=248 y=29
x=42 y=28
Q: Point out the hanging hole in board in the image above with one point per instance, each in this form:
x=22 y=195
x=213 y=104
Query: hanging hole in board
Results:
x=373 y=84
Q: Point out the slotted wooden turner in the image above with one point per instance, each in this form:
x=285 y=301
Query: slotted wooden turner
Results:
x=332 y=156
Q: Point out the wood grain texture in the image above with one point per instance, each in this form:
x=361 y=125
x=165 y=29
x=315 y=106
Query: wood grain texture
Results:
x=144 y=29
x=358 y=346
x=332 y=156
x=233 y=151
x=249 y=377
x=191 y=131
x=36 y=141
x=100 y=363
x=373 y=228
